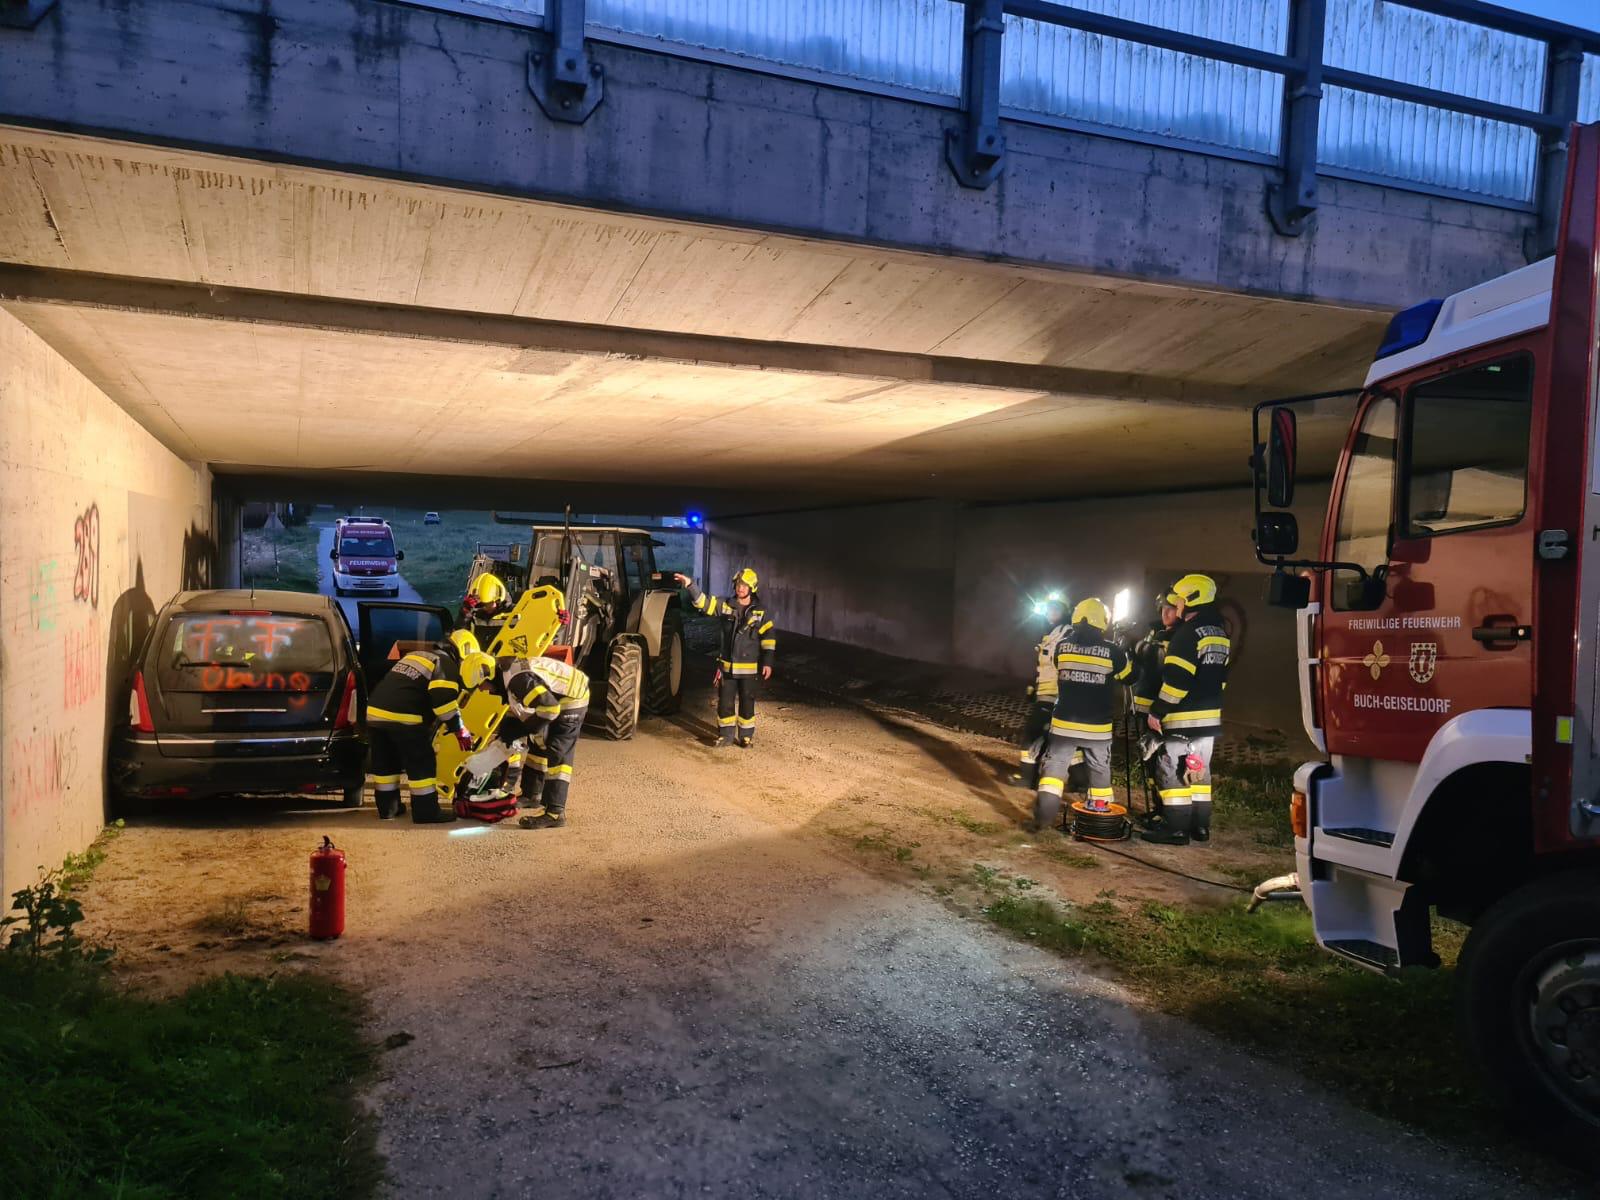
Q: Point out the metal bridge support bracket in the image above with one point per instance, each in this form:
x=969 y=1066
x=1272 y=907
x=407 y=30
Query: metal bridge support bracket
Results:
x=23 y=14
x=1563 y=71
x=976 y=152
x=1292 y=204
x=567 y=85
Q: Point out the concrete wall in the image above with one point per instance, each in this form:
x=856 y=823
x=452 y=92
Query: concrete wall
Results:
x=99 y=525
x=361 y=85
x=941 y=582
x=876 y=576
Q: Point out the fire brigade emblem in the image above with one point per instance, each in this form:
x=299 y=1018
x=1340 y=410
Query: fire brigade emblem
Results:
x=1376 y=661
x=1424 y=658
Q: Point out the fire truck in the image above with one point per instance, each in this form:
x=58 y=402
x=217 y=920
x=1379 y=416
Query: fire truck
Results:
x=1448 y=627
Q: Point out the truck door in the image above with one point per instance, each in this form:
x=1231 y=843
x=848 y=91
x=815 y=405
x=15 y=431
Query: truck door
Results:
x=1433 y=501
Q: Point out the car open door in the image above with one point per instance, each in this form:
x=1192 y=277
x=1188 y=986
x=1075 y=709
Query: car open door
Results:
x=388 y=628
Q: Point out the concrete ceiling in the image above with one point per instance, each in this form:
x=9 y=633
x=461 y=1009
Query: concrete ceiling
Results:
x=953 y=377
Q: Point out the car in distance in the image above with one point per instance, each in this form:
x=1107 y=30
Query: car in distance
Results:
x=240 y=693
x=431 y=518
x=365 y=561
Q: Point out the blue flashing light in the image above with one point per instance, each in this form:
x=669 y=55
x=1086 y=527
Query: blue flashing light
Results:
x=696 y=520
x=1409 y=328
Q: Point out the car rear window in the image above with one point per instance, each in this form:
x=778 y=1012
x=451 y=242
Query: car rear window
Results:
x=233 y=651
x=377 y=546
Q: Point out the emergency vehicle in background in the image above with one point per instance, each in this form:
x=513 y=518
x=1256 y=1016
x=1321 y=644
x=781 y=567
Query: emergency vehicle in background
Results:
x=1448 y=629
x=365 y=560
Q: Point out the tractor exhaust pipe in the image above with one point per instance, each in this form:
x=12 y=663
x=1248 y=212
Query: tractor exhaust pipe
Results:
x=1279 y=887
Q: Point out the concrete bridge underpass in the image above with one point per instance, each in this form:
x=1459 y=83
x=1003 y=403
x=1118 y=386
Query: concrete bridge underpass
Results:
x=339 y=247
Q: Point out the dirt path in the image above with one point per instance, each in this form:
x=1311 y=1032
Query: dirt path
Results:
x=695 y=988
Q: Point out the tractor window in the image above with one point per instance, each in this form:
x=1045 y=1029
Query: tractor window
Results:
x=636 y=562
x=1367 y=507
x=1467 y=454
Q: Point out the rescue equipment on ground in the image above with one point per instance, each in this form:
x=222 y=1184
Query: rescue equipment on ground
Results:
x=327 y=891
x=1108 y=824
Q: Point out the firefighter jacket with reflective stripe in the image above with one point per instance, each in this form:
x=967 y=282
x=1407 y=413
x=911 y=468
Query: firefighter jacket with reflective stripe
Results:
x=1046 y=650
x=1086 y=668
x=1148 y=655
x=421 y=688
x=749 y=641
x=542 y=689
x=1194 y=676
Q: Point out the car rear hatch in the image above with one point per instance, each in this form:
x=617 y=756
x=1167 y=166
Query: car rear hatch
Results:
x=245 y=682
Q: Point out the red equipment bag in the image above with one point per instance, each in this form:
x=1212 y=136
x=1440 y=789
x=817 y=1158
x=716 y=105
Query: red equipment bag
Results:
x=484 y=808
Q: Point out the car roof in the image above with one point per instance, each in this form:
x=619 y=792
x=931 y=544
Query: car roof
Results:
x=364 y=523
x=221 y=600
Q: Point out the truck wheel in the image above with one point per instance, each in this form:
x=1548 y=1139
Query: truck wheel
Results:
x=665 y=687
x=1529 y=1008
x=624 y=689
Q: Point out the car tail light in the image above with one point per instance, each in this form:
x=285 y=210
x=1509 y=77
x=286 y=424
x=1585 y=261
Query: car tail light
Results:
x=139 y=707
x=345 y=716
x=249 y=612
x=1299 y=815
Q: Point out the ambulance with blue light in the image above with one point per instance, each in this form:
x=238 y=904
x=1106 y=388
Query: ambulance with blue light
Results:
x=1448 y=617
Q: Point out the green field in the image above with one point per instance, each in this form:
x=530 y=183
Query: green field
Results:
x=284 y=559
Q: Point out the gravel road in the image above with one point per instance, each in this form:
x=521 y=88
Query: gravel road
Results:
x=692 y=990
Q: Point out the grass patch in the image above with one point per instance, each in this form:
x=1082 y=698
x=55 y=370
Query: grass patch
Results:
x=954 y=817
x=241 y=1087
x=1259 y=980
x=1065 y=856
x=281 y=559
x=78 y=869
x=230 y=919
x=437 y=556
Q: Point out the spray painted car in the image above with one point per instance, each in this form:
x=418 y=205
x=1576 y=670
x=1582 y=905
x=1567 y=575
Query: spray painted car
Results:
x=365 y=561
x=243 y=693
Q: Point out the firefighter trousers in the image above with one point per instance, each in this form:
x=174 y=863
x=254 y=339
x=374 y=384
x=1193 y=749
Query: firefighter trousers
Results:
x=1058 y=755
x=543 y=766
x=1034 y=727
x=403 y=750
x=737 y=694
x=1185 y=794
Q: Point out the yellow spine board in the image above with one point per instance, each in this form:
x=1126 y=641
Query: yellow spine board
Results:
x=527 y=633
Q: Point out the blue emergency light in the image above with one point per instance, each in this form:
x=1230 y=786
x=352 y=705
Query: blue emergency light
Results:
x=1409 y=328
x=696 y=520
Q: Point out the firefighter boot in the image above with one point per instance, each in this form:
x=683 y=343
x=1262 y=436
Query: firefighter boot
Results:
x=550 y=818
x=389 y=804
x=425 y=809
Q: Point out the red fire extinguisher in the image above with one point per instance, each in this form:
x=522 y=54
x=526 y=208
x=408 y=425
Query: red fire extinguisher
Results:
x=327 y=891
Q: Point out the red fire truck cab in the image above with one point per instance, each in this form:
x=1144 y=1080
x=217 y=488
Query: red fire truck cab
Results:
x=1449 y=629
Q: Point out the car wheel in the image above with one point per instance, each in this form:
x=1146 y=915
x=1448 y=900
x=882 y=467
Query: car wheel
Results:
x=351 y=797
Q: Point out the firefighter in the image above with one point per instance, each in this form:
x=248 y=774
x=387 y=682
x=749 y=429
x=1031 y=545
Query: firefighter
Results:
x=745 y=660
x=1187 y=711
x=1148 y=654
x=1087 y=665
x=548 y=700
x=420 y=690
x=1037 y=723
x=487 y=607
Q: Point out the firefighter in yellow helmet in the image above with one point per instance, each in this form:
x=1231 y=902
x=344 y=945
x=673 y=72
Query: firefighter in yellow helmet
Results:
x=1036 y=724
x=425 y=687
x=487 y=606
x=1187 y=712
x=749 y=644
x=1088 y=665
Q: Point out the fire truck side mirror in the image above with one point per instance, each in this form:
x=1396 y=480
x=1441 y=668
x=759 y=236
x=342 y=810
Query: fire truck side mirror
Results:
x=1288 y=591
x=1277 y=534
x=1282 y=440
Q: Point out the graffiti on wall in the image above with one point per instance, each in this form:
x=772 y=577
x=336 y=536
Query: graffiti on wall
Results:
x=86 y=542
x=42 y=595
x=83 y=662
x=199 y=559
x=40 y=767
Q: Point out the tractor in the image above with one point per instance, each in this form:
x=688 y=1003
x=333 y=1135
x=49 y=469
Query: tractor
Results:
x=625 y=618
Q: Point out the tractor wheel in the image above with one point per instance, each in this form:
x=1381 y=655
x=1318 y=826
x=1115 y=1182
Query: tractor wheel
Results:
x=664 y=691
x=624 y=689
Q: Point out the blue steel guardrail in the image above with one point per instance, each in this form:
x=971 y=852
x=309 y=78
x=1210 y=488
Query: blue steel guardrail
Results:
x=1453 y=97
